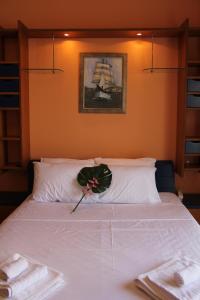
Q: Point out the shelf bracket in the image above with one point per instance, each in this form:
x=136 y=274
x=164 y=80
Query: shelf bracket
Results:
x=53 y=69
x=152 y=68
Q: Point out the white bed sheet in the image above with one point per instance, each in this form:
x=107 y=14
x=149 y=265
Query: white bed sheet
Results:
x=101 y=249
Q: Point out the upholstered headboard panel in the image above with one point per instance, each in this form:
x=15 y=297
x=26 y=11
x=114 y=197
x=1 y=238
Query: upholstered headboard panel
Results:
x=165 y=177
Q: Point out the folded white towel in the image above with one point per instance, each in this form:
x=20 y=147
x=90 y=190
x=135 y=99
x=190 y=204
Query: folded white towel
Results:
x=24 y=281
x=36 y=282
x=44 y=288
x=187 y=274
x=13 y=267
x=160 y=284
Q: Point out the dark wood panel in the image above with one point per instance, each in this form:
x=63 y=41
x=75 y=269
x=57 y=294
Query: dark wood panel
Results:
x=194 y=31
x=24 y=93
x=9 y=201
x=99 y=32
x=5 y=211
x=103 y=33
x=192 y=124
x=194 y=48
x=11 y=49
x=2 y=52
x=12 y=33
x=182 y=92
x=12 y=123
x=12 y=198
x=195 y=213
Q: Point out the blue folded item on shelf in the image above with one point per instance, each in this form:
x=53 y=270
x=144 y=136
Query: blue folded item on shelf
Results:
x=192 y=147
x=9 y=85
x=7 y=70
x=193 y=85
x=9 y=101
x=193 y=101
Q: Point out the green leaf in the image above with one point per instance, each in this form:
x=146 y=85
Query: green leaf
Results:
x=96 y=179
x=101 y=174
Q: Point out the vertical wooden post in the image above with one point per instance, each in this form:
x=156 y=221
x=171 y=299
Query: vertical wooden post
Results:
x=24 y=93
x=182 y=93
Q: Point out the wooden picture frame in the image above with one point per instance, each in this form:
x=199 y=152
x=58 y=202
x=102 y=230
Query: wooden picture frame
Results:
x=103 y=79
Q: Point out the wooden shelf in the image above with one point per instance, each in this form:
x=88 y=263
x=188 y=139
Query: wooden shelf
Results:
x=6 y=62
x=152 y=69
x=194 y=62
x=103 y=33
x=11 y=33
x=192 y=154
x=8 y=78
x=192 y=138
x=193 y=77
x=9 y=93
x=192 y=168
x=11 y=167
x=193 y=93
x=194 y=31
x=192 y=108
x=15 y=139
x=9 y=108
x=53 y=70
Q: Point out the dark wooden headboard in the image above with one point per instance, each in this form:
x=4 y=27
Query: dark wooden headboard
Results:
x=165 y=176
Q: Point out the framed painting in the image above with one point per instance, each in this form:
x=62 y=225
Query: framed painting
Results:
x=102 y=82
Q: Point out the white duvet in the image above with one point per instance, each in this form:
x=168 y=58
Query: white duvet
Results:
x=101 y=248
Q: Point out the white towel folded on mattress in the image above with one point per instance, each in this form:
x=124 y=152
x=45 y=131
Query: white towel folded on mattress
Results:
x=23 y=282
x=161 y=285
x=36 y=282
x=13 y=267
x=188 y=274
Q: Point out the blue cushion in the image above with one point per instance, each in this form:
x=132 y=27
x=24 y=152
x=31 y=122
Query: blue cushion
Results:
x=165 y=176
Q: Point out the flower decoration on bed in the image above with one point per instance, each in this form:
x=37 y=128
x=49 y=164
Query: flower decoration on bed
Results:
x=93 y=180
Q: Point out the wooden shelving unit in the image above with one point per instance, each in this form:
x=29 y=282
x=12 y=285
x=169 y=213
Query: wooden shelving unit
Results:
x=14 y=104
x=188 y=125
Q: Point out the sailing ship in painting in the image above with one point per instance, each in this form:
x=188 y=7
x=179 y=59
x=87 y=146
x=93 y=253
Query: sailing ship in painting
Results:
x=104 y=80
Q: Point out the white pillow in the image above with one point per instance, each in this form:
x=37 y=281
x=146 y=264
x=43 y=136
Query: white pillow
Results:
x=57 y=182
x=66 y=160
x=142 y=162
x=131 y=185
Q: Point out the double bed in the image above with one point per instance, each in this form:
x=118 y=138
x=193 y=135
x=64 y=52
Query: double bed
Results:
x=102 y=248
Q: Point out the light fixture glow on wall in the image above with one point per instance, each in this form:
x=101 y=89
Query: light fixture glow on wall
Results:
x=66 y=34
x=139 y=34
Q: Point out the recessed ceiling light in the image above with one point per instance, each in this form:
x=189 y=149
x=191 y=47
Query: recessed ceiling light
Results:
x=66 y=34
x=139 y=34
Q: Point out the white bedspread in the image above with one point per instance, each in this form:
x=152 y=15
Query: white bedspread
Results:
x=101 y=249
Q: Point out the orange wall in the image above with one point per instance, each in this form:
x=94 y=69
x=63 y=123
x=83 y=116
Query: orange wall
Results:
x=148 y=127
